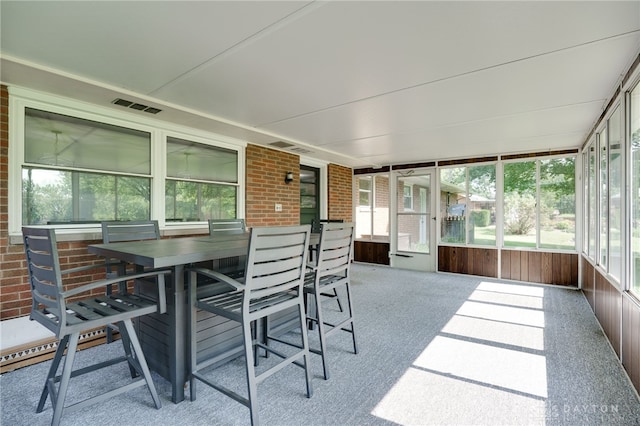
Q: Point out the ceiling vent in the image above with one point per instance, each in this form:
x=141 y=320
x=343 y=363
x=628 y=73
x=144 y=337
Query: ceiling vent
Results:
x=281 y=144
x=290 y=147
x=300 y=150
x=134 y=105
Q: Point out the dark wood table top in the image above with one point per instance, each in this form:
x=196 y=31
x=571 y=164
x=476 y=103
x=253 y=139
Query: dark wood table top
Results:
x=177 y=251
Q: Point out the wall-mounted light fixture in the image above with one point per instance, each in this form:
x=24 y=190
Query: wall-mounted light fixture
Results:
x=288 y=178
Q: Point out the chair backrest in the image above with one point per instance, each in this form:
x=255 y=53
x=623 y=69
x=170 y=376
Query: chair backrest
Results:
x=45 y=279
x=226 y=226
x=316 y=223
x=335 y=249
x=135 y=230
x=276 y=263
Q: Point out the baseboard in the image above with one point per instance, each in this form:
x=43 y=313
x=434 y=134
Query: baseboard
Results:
x=44 y=349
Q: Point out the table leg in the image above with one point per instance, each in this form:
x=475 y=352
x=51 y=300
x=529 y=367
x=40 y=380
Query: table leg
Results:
x=177 y=354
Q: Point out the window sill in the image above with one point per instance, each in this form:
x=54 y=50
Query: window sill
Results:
x=95 y=234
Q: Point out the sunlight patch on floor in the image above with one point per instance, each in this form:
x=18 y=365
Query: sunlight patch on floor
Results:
x=422 y=397
x=524 y=290
x=509 y=314
x=532 y=302
x=505 y=333
x=509 y=369
x=490 y=354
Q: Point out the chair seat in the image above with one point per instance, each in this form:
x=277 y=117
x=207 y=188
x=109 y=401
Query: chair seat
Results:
x=114 y=308
x=325 y=283
x=232 y=302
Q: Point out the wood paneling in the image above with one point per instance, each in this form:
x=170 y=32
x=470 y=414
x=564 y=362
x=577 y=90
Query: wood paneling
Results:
x=631 y=339
x=619 y=315
x=540 y=267
x=588 y=285
x=608 y=302
x=468 y=260
x=371 y=252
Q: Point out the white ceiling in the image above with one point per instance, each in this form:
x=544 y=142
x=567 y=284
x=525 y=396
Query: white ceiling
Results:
x=361 y=83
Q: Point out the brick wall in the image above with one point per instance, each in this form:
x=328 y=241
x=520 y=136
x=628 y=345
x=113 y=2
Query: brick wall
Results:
x=340 y=194
x=265 y=187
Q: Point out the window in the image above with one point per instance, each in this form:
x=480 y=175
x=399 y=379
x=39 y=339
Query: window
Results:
x=79 y=165
x=407 y=191
x=467 y=204
x=200 y=182
x=78 y=170
x=372 y=212
x=615 y=194
x=364 y=191
x=635 y=188
x=412 y=218
x=593 y=205
x=557 y=203
x=520 y=219
x=539 y=203
x=604 y=196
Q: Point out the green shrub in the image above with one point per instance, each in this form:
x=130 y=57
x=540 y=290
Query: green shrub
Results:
x=481 y=218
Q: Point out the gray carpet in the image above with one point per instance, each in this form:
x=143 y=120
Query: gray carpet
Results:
x=435 y=349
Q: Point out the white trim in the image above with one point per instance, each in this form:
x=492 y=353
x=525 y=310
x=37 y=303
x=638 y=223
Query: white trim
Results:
x=21 y=98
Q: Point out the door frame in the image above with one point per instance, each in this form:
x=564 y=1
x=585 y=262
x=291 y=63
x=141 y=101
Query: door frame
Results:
x=406 y=259
x=322 y=184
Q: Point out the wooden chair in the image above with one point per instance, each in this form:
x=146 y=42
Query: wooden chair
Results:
x=272 y=283
x=67 y=319
x=122 y=231
x=330 y=272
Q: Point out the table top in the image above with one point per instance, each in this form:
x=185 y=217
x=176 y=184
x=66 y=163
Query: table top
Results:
x=177 y=251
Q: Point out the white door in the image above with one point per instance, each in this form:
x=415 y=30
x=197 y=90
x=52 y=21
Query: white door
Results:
x=413 y=239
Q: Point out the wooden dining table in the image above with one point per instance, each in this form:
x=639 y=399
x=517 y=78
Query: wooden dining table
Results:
x=164 y=337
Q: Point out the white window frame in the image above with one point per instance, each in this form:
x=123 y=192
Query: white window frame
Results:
x=404 y=197
x=21 y=98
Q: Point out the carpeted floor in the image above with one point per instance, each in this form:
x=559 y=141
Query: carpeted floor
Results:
x=434 y=349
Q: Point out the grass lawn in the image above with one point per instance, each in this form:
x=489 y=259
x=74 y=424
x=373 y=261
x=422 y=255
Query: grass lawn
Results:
x=554 y=239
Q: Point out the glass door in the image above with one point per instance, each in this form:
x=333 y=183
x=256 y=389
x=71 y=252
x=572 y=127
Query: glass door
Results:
x=309 y=194
x=413 y=241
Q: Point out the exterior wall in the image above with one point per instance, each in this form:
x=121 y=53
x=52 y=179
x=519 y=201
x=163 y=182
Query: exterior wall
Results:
x=265 y=187
x=340 y=196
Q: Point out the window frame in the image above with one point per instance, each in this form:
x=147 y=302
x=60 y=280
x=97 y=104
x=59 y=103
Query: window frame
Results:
x=577 y=188
x=468 y=211
x=629 y=271
x=408 y=197
x=21 y=98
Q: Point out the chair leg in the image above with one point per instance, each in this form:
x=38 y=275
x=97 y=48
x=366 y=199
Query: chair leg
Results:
x=62 y=344
x=321 y=335
x=305 y=346
x=126 y=343
x=335 y=294
x=353 y=326
x=252 y=385
x=142 y=362
x=64 y=378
